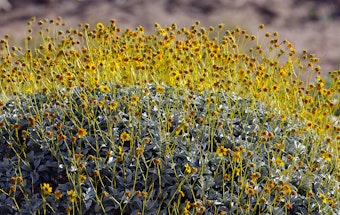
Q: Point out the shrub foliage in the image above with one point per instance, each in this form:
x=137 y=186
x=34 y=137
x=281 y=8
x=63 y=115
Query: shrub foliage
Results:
x=182 y=121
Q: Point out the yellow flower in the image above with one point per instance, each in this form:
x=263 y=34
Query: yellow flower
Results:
x=121 y=150
x=124 y=136
x=188 y=169
x=101 y=103
x=160 y=89
x=72 y=195
x=157 y=162
x=81 y=133
x=186 y=211
x=57 y=194
x=140 y=150
x=323 y=198
x=77 y=156
x=187 y=204
x=29 y=91
x=92 y=67
x=254 y=176
x=46 y=189
x=182 y=193
x=287 y=189
x=237 y=156
x=135 y=100
x=238 y=171
x=96 y=173
x=321 y=82
x=280 y=162
x=104 y=89
x=113 y=105
x=227 y=177
x=82 y=178
x=100 y=26
x=247 y=207
x=242 y=149
x=327 y=156
x=221 y=151
x=83 y=96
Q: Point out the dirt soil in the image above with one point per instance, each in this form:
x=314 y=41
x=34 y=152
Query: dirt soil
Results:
x=313 y=25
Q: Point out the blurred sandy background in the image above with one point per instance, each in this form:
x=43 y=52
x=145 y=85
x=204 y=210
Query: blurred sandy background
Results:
x=313 y=25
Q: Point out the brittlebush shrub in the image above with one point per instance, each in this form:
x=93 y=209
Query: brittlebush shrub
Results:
x=182 y=121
